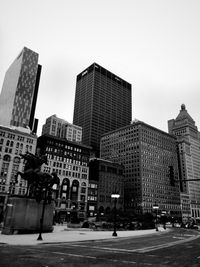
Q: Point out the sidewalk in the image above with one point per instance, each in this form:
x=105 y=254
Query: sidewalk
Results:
x=63 y=234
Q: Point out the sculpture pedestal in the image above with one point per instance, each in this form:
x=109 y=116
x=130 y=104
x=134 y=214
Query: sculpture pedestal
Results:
x=23 y=216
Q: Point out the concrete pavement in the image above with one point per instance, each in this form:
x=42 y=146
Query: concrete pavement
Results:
x=63 y=234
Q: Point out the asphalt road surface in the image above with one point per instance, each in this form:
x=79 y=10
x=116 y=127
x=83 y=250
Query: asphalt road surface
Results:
x=179 y=247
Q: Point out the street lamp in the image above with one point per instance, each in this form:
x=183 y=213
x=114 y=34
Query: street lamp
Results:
x=115 y=196
x=156 y=207
x=42 y=216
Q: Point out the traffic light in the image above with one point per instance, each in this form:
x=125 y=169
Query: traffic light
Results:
x=171 y=175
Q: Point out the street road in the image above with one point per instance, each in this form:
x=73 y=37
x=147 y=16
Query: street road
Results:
x=179 y=247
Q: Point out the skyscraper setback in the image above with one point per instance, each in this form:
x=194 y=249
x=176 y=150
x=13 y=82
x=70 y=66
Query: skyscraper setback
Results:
x=19 y=92
x=102 y=103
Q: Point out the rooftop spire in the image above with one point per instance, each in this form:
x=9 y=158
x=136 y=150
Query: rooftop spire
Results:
x=183 y=115
x=183 y=107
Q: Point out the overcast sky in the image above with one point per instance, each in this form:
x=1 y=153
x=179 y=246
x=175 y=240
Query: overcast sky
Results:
x=152 y=44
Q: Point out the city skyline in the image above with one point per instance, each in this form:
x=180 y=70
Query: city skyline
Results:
x=153 y=45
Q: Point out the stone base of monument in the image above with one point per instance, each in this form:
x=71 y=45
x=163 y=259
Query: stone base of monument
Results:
x=23 y=216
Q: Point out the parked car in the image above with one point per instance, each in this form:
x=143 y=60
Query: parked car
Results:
x=88 y=224
x=193 y=226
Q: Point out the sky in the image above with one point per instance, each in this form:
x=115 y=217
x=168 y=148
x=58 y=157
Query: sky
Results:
x=152 y=44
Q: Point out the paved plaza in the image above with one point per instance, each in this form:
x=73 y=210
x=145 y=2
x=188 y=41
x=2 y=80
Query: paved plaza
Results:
x=62 y=233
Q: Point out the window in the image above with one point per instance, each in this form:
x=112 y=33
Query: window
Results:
x=92 y=198
x=74 y=189
x=6 y=158
x=83 y=190
x=83 y=198
x=2 y=133
x=93 y=185
x=4 y=169
x=64 y=187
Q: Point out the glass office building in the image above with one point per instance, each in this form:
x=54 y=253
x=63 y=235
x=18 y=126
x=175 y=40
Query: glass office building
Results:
x=19 y=92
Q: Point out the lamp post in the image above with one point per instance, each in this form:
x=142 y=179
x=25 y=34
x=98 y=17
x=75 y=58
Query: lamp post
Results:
x=115 y=196
x=156 y=207
x=42 y=216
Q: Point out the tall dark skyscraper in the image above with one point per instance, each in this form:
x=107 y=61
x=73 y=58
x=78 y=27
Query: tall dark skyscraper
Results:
x=102 y=103
x=19 y=92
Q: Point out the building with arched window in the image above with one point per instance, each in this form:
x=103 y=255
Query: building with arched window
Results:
x=70 y=160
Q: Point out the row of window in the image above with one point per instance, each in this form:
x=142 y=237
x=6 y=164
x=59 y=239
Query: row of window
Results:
x=12 y=190
x=70 y=174
x=68 y=160
x=15 y=137
x=62 y=145
x=70 y=167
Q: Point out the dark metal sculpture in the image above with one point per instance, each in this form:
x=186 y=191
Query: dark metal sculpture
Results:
x=38 y=182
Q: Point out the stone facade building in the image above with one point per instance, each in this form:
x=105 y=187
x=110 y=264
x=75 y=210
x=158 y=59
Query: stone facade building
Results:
x=150 y=159
x=188 y=142
x=70 y=160
x=61 y=128
x=13 y=143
